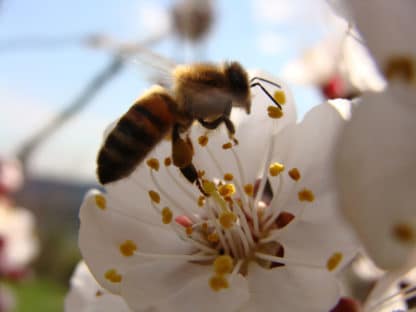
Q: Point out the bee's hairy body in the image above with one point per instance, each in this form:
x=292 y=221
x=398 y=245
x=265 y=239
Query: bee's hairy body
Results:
x=202 y=92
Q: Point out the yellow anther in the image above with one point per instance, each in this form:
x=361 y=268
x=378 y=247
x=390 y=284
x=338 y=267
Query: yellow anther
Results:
x=274 y=112
x=228 y=177
x=334 y=261
x=201 y=201
x=167 y=215
x=280 y=97
x=223 y=265
x=213 y=237
x=404 y=233
x=400 y=68
x=218 y=282
x=100 y=201
x=113 y=276
x=203 y=140
x=201 y=173
x=204 y=227
x=128 y=248
x=209 y=187
x=227 y=145
x=227 y=219
x=189 y=230
x=99 y=293
x=153 y=163
x=249 y=189
x=276 y=168
x=154 y=196
x=168 y=161
x=294 y=174
x=227 y=190
x=306 y=195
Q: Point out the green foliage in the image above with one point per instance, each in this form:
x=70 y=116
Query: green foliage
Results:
x=39 y=295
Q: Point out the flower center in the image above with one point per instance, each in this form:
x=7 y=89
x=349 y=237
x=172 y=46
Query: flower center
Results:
x=234 y=222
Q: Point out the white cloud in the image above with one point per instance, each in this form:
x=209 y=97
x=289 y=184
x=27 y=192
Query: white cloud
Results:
x=153 y=18
x=69 y=153
x=271 y=43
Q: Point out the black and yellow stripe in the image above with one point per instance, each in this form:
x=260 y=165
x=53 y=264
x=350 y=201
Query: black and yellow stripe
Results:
x=137 y=132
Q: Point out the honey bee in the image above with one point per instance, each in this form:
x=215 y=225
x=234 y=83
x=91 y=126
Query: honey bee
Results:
x=205 y=93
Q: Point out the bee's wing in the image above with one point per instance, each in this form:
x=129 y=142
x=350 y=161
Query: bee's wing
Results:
x=155 y=67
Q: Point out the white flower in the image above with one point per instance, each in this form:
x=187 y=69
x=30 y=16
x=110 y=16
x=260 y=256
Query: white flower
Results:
x=376 y=158
x=387 y=28
x=264 y=238
x=18 y=242
x=339 y=64
x=86 y=295
x=376 y=169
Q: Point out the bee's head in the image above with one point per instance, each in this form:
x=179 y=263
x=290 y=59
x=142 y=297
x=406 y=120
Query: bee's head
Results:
x=239 y=85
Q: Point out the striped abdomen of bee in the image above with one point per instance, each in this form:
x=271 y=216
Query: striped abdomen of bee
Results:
x=136 y=133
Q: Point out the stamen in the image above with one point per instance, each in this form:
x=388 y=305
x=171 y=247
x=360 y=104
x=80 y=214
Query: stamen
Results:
x=167 y=161
x=217 y=229
x=211 y=189
x=194 y=257
x=113 y=276
x=167 y=215
x=231 y=244
x=189 y=230
x=334 y=261
x=294 y=174
x=223 y=265
x=227 y=219
x=175 y=204
x=128 y=248
x=306 y=195
x=227 y=145
x=100 y=201
x=201 y=201
x=226 y=190
x=203 y=140
x=249 y=190
x=276 y=168
x=280 y=97
x=153 y=163
x=274 y=112
x=213 y=237
x=401 y=67
x=218 y=282
x=154 y=196
x=286 y=261
x=404 y=233
x=228 y=177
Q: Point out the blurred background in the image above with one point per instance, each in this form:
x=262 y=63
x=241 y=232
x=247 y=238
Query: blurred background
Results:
x=63 y=81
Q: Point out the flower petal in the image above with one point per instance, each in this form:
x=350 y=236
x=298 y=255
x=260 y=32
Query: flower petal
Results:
x=86 y=295
x=180 y=287
x=388 y=30
x=103 y=231
x=376 y=175
x=310 y=147
x=291 y=289
x=316 y=243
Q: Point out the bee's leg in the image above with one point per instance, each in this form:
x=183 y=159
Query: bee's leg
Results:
x=182 y=150
x=215 y=124
x=182 y=153
x=191 y=174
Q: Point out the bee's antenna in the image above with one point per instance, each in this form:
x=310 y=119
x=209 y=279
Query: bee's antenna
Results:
x=258 y=84
x=265 y=80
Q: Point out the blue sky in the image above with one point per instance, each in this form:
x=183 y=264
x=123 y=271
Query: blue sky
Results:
x=35 y=84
